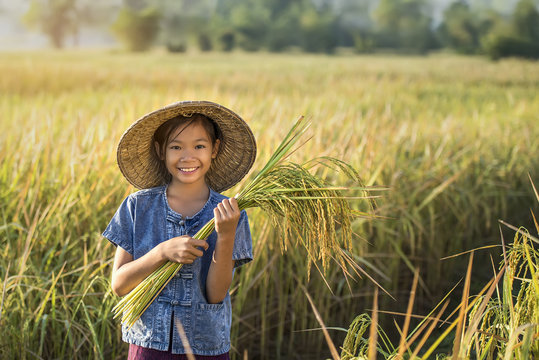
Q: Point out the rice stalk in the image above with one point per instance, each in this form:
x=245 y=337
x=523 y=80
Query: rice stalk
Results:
x=403 y=345
x=373 y=333
x=463 y=311
x=317 y=217
x=330 y=343
x=429 y=331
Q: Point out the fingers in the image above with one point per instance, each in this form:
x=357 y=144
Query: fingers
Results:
x=230 y=206
x=200 y=243
x=226 y=209
x=185 y=249
x=194 y=247
x=188 y=256
x=227 y=215
x=195 y=252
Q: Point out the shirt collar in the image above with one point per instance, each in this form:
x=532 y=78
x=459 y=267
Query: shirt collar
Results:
x=179 y=216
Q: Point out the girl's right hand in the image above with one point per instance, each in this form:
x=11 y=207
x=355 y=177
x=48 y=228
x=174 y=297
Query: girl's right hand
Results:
x=182 y=249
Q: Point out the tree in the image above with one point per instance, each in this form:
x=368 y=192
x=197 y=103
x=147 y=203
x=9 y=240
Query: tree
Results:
x=175 y=28
x=137 y=29
x=61 y=19
x=285 y=27
x=355 y=24
x=318 y=28
x=227 y=40
x=519 y=37
x=459 y=29
x=56 y=18
x=204 y=41
x=525 y=20
x=509 y=45
x=404 y=25
x=187 y=22
x=251 y=20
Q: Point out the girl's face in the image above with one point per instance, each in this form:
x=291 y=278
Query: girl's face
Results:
x=189 y=153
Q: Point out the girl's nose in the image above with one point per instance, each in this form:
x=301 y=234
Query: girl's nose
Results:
x=186 y=155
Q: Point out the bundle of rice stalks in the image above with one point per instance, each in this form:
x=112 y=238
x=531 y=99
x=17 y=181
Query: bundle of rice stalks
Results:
x=300 y=204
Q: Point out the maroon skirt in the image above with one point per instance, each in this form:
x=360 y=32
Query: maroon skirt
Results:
x=142 y=353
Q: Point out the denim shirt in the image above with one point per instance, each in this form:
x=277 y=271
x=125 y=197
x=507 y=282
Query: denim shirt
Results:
x=144 y=220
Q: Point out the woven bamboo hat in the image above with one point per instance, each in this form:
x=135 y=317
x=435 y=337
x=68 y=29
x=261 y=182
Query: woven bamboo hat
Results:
x=140 y=165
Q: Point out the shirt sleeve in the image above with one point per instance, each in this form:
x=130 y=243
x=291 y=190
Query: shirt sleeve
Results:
x=120 y=229
x=243 y=244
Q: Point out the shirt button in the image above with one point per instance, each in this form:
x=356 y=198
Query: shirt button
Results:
x=174 y=302
x=182 y=223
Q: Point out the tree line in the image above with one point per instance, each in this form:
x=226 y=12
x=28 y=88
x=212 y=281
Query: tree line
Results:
x=320 y=26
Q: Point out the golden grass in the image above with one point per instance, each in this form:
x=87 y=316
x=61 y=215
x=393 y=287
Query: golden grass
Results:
x=452 y=137
x=503 y=327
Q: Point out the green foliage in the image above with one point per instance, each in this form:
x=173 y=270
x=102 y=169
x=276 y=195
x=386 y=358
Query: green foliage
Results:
x=460 y=29
x=519 y=37
x=176 y=47
x=204 y=42
x=250 y=20
x=403 y=25
x=56 y=18
x=175 y=34
x=525 y=20
x=363 y=43
x=499 y=46
x=285 y=30
x=63 y=19
x=186 y=23
x=137 y=29
x=227 y=40
x=319 y=26
x=318 y=30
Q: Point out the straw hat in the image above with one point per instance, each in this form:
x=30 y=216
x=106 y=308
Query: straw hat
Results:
x=237 y=151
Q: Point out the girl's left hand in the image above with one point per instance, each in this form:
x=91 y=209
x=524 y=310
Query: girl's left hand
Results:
x=227 y=216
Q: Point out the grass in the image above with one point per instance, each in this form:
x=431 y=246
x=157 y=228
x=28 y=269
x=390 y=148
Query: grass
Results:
x=452 y=137
x=500 y=322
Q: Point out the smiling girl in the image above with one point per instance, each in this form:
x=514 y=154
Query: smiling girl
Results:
x=181 y=156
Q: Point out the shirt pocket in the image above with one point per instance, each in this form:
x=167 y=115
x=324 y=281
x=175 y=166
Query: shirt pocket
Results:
x=210 y=326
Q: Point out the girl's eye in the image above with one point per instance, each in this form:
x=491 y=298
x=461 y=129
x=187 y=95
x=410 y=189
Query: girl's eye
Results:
x=174 y=147
x=199 y=147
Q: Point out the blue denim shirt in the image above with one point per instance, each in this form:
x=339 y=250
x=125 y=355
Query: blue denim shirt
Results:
x=144 y=220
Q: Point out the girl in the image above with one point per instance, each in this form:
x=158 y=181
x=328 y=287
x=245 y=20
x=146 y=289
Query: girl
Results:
x=181 y=156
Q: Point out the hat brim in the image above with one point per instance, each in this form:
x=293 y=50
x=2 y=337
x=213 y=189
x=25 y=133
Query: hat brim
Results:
x=237 y=150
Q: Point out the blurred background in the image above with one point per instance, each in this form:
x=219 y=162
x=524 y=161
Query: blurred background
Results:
x=494 y=27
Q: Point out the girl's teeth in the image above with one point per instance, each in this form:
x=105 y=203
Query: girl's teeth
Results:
x=188 y=169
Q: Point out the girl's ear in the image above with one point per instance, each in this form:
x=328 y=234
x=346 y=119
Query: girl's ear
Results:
x=158 y=150
x=215 y=149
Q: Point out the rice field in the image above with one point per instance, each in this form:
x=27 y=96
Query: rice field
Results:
x=452 y=138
